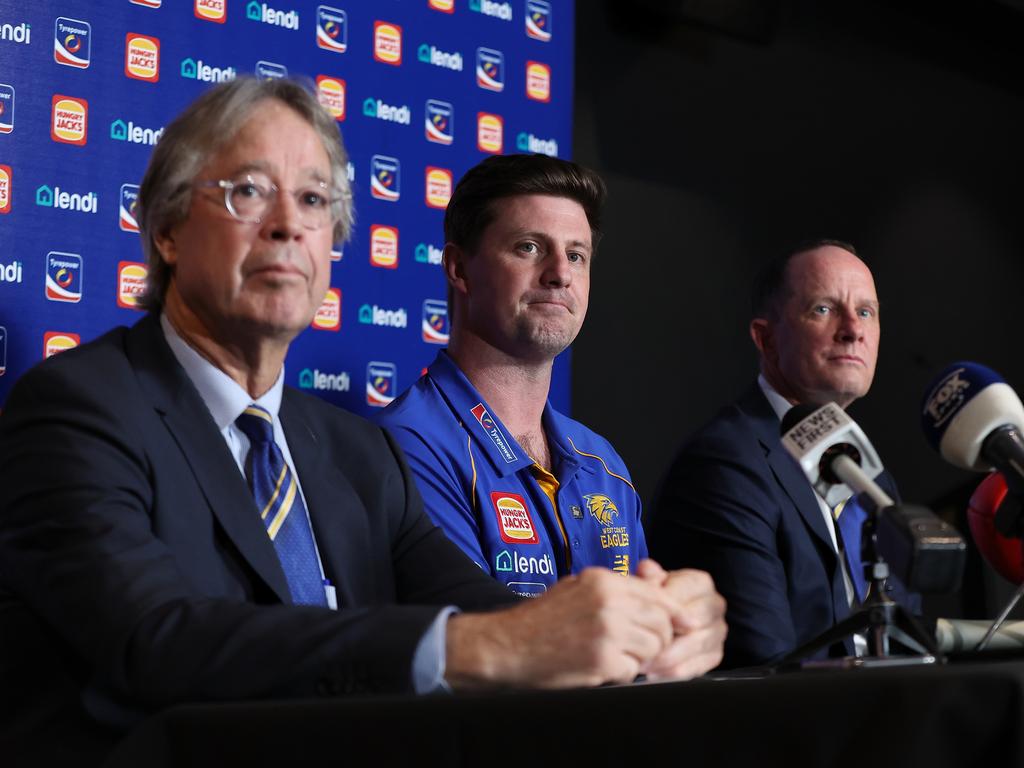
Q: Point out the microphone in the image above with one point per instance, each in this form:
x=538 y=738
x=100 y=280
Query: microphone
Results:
x=923 y=551
x=974 y=420
x=1004 y=554
x=833 y=452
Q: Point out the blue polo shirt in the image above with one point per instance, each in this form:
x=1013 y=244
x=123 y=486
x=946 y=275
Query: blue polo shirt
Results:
x=523 y=525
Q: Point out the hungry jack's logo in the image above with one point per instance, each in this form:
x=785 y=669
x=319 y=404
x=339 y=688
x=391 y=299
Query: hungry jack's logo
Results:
x=328 y=315
x=489 y=132
x=142 y=57
x=439 y=187
x=515 y=523
x=6 y=182
x=330 y=92
x=384 y=246
x=70 y=120
x=131 y=284
x=211 y=10
x=538 y=81
x=59 y=341
x=387 y=43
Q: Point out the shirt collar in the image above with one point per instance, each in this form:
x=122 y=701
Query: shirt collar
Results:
x=778 y=403
x=223 y=396
x=483 y=425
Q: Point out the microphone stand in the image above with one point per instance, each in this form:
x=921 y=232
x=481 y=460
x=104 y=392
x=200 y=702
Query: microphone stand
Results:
x=879 y=617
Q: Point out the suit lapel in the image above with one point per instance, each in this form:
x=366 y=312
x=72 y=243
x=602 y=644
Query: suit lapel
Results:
x=342 y=533
x=204 y=450
x=787 y=471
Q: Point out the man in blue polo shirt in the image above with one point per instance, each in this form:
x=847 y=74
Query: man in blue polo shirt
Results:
x=528 y=493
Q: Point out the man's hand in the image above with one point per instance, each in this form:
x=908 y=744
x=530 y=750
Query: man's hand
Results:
x=589 y=629
x=698 y=623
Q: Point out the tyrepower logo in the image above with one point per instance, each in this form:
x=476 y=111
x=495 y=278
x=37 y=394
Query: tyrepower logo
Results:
x=58 y=341
x=331 y=29
x=383 y=246
x=514 y=520
x=64 y=277
x=538 y=81
x=131 y=284
x=126 y=209
x=387 y=43
x=538 y=20
x=328 y=315
x=385 y=178
x=381 y=383
x=211 y=10
x=72 y=42
x=147 y=3
x=439 y=121
x=439 y=187
x=142 y=57
x=490 y=69
x=435 y=321
x=6 y=108
x=489 y=132
x=330 y=92
x=70 y=120
x=6 y=185
x=491 y=429
x=268 y=70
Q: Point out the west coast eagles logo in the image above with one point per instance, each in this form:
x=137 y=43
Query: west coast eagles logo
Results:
x=602 y=508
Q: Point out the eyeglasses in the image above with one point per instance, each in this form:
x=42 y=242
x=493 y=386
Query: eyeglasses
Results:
x=250 y=198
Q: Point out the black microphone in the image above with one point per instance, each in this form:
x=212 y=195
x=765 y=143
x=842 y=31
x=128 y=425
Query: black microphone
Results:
x=924 y=552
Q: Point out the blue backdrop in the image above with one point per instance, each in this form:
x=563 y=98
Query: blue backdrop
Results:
x=422 y=90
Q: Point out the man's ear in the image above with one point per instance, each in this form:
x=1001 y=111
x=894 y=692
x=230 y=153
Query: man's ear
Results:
x=166 y=247
x=761 y=334
x=454 y=260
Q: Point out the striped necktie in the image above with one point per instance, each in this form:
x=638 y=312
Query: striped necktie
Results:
x=850 y=517
x=277 y=497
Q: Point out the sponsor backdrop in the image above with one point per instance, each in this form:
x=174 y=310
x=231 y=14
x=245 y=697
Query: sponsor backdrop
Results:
x=422 y=90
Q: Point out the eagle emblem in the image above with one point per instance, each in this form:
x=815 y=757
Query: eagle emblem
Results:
x=601 y=508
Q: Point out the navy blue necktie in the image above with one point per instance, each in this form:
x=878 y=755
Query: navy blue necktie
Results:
x=850 y=517
x=277 y=497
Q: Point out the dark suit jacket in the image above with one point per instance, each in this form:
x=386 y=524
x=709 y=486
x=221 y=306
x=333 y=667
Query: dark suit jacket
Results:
x=737 y=505
x=135 y=572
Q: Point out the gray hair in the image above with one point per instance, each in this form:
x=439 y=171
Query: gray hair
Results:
x=194 y=136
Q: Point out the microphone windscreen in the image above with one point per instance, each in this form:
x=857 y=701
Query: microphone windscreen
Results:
x=963 y=406
x=1004 y=554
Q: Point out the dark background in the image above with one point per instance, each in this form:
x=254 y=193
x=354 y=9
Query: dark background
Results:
x=728 y=129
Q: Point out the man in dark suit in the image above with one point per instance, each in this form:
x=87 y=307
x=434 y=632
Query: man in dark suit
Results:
x=176 y=525
x=736 y=503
